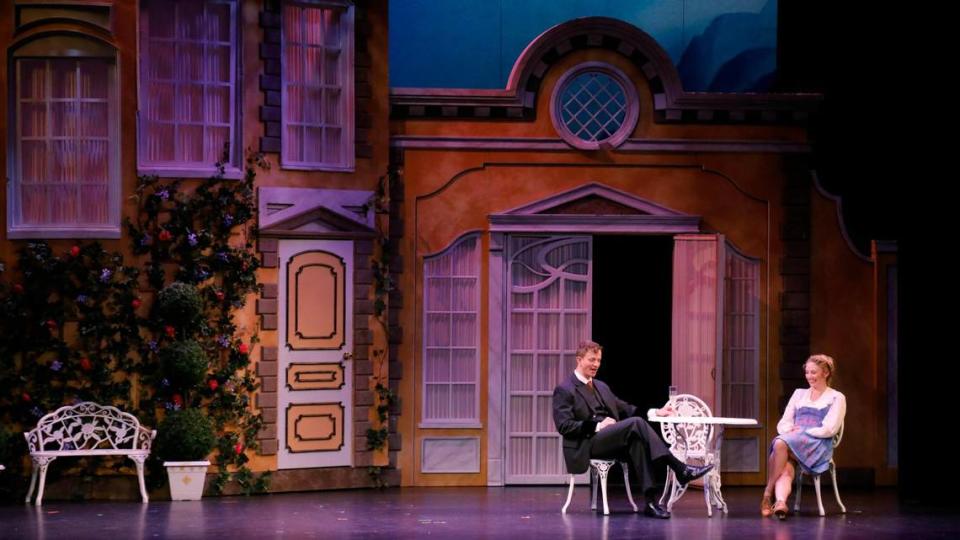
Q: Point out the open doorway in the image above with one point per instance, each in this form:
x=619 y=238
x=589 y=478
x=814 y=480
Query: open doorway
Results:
x=632 y=302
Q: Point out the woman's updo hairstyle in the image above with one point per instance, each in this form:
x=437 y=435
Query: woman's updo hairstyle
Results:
x=825 y=363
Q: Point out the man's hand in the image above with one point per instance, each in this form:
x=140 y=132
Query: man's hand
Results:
x=607 y=421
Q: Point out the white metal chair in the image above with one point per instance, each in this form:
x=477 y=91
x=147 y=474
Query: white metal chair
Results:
x=692 y=444
x=816 y=481
x=600 y=468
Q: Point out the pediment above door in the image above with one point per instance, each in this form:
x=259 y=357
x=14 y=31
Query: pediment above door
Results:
x=285 y=211
x=595 y=208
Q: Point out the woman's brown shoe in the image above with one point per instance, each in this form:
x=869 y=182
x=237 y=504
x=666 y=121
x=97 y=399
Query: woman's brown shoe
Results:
x=780 y=510
x=766 y=506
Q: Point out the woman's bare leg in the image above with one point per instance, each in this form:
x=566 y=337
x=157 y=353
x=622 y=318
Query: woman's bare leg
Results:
x=784 y=483
x=776 y=462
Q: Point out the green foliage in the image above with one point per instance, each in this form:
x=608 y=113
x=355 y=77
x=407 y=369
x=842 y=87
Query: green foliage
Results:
x=6 y=444
x=184 y=364
x=85 y=295
x=190 y=233
x=73 y=327
x=383 y=284
x=179 y=304
x=376 y=476
x=185 y=435
x=377 y=438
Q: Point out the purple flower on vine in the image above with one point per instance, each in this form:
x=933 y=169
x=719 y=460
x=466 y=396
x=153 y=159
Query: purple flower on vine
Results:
x=105 y=275
x=164 y=382
x=146 y=240
x=228 y=220
x=223 y=256
x=224 y=341
x=163 y=194
x=36 y=411
x=56 y=365
x=202 y=274
x=171 y=406
x=152 y=345
x=82 y=299
x=192 y=239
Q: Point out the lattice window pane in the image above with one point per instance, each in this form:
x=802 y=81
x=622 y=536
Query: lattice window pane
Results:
x=593 y=106
x=316 y=88
x=63 y=176
x=548 y=315
x=741 y=336
x=451 y=290
x=188 y=84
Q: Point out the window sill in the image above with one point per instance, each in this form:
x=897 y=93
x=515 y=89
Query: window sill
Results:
x=326 y=168
x=450 y=425
x=231 y=173
x=34 y=233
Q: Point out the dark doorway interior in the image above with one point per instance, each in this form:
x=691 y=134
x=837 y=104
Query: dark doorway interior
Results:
x=632 y=280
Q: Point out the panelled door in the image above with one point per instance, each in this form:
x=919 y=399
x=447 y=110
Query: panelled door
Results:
x=315 y=381
x=549 y=299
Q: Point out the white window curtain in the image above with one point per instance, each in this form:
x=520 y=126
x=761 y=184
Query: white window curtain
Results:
x=188 y=85
x=64 y=176
x=451 y=359
x=317 y=96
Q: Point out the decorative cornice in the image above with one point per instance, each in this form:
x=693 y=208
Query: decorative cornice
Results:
x=670 y=102
x=631 y=145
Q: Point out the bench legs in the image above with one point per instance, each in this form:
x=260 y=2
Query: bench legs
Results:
x=138 y=460
x=40 y=465
x=33 y=483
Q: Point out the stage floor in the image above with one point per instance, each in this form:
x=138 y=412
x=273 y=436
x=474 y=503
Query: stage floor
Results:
x=465 y=513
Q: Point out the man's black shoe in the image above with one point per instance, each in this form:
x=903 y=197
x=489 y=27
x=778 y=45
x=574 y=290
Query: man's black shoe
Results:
x=654 y=510
x=690 y=473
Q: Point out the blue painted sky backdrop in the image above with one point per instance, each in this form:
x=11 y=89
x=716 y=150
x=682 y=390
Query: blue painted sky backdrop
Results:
x=717 y=45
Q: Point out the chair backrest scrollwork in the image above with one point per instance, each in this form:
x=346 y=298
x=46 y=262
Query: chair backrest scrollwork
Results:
x=696 y=438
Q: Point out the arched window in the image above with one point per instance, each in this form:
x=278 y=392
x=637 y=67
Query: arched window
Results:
x=451 y=335
x=741 y=336
x=65 y=179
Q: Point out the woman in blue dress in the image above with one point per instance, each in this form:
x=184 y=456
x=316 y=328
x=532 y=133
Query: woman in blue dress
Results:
x=812 y=418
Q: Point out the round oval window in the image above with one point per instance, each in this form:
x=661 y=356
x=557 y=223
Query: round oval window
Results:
x=593 y=107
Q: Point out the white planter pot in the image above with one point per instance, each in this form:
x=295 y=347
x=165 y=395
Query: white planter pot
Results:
x=186 y=479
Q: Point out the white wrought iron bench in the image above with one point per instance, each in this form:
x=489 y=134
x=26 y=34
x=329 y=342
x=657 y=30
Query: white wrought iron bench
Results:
x=87 y=429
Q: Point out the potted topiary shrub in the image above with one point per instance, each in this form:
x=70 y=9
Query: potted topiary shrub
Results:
x=184 y=440
x=184 y=363
x=179 y=304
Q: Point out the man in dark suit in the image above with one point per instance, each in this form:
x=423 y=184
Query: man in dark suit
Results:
x=597 y=424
